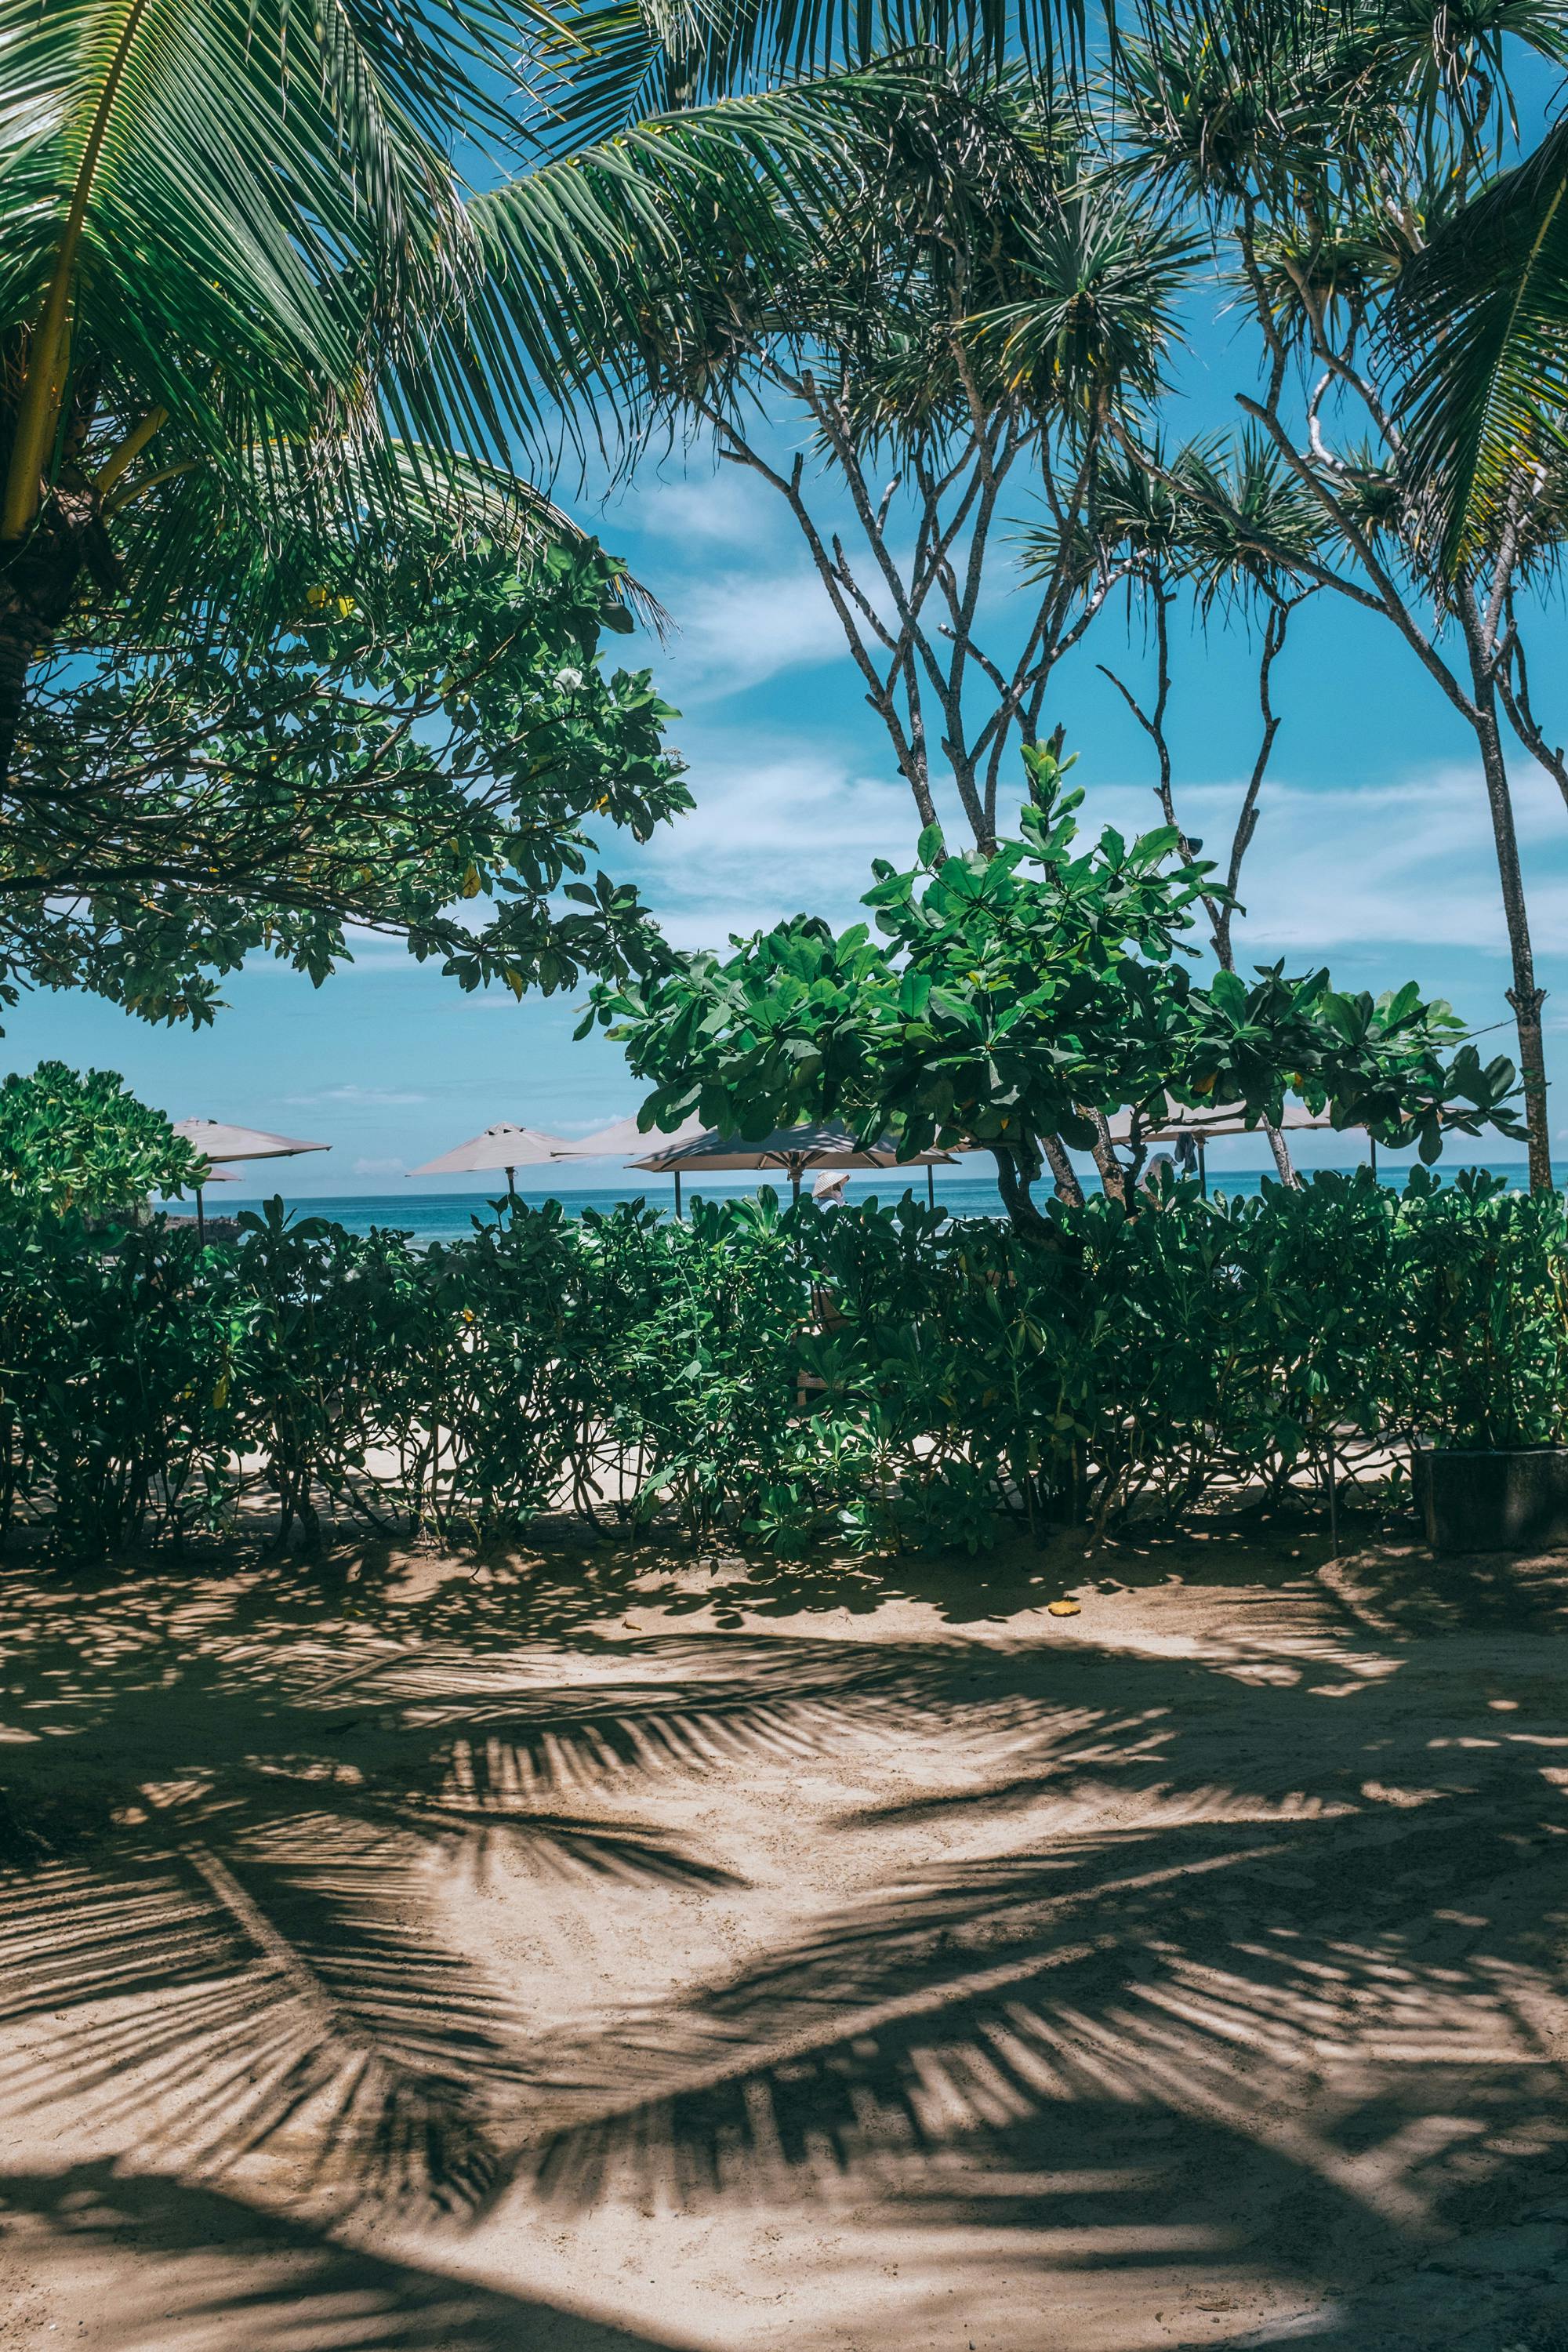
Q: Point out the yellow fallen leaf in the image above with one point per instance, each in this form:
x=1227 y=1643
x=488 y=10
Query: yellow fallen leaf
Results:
x=1062 y=1608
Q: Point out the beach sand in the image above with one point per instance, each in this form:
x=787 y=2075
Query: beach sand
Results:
x=586 y=1955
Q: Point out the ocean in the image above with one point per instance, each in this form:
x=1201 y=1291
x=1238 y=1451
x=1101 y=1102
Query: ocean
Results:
x=447 y=1216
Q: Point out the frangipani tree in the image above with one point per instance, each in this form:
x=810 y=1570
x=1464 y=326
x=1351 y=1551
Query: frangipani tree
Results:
x=426 y=748
x=1017 y=994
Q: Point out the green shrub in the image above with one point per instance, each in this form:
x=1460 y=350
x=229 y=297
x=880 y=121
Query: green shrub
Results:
x=76 y=1141
x=882 y=1377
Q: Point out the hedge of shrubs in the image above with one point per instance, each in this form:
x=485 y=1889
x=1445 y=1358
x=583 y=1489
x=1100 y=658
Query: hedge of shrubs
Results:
x=872 y=1376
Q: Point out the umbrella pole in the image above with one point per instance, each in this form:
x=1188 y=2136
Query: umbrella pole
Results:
x=511 y=1187
x=794 y=1186
x=1202 y=1170
x=1372 y=1147
x=678 y=1194
x=931 y=1186
x=201 y=1218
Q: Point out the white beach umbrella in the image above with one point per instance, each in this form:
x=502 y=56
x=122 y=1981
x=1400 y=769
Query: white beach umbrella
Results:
x=501 y=1146
x=1221 y=1118
x=216 y=1138
x=626 y=1135
x=791 y=1150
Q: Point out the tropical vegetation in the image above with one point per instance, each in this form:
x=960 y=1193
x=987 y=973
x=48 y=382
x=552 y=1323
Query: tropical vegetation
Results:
x=74 y=1140
x=1021 y=996
x=432 y=733
x=878 y=1380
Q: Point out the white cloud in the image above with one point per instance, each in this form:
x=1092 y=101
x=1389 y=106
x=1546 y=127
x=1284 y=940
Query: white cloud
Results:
x=736 y=629
x=770 y=837
x=725 y=508
x=1333 y=868
x=1408 y=862
x=378 y=1167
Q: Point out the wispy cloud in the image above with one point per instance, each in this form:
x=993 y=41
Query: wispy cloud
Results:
x=772 y=836
x=1333 y=868
x=739 y=628
x=378 y=1167
x=1409 y=862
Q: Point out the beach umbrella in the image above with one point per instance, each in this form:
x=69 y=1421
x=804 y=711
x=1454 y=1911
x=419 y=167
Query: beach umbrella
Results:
x=1220 y=1119
x=791 y=1150
x=626 y=1135
x=216 y=1138
x=501 y=1146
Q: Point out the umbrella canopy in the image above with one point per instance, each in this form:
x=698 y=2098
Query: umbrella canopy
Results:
x=792 y=1149
x=626 y=1135
x=1225 y=1118
x=217 y=1140
x=501 y=1146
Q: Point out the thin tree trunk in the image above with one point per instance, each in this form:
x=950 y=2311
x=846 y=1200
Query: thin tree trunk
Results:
x=1112 y=1175
x=40 y=577
x=1526 y=995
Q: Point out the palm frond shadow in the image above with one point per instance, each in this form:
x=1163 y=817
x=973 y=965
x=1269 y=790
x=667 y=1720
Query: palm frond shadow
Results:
x=1115 y=2039
x=225 y=1906
x=214 y=2270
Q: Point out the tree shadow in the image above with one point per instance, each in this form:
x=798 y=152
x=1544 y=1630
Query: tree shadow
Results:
x=1305 y=2026
x=230 y=1828
x=1248 y=1961
x=212 y=2273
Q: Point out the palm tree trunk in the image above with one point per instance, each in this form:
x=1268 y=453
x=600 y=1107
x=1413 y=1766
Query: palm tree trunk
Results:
x=39 y=576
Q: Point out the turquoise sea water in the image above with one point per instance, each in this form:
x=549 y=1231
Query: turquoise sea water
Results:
x=444 y=1216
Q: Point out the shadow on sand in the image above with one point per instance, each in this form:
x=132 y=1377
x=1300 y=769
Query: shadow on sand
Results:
x=1202 y=1973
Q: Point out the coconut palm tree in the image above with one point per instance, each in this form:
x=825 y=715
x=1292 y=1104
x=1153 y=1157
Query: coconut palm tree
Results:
x=256 y=257
x=1483 y=313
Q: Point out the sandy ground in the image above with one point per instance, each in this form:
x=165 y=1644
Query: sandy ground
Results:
x=598 y=1957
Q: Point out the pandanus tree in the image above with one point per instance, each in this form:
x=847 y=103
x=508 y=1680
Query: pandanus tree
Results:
x=854 y=332
x=1316 y=151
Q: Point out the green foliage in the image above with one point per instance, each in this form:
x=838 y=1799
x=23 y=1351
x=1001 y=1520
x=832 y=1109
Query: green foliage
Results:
x=878 y=1380
x=1486 y=1309
x=1020 y=989
x=74 y=1141
x=432 y=724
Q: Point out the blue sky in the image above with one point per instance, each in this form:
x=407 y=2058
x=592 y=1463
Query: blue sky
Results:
x=1372 y=855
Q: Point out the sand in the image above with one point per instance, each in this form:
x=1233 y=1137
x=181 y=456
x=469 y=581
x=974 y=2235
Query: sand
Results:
x=597 y=1956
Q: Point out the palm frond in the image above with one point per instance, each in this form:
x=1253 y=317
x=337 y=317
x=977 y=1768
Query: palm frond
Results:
x=608 y=63
x=1481 y=321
